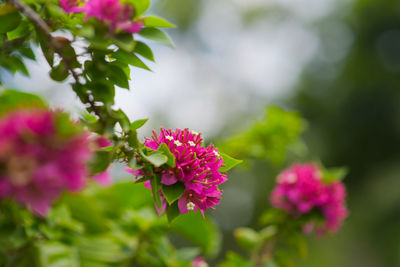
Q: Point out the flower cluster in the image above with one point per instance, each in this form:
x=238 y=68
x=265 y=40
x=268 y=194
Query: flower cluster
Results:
x=301 y=190
x=196 y=167
x=38 y=161
x=112 y=13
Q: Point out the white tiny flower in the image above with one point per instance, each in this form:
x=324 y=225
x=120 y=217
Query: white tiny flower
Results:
x=216 y=153
x=191 y=143
x=190 y=205
x=177 y=143
x=169 y=137
x=195 y=133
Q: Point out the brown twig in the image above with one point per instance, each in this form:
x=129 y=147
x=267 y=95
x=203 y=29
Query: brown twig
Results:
x=58 y=47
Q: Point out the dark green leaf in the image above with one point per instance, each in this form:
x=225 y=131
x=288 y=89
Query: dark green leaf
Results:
x=60 y=72
x=100 y=162
x=117 y=76
x=201 y=232
x=155 y=187
x=173 y=212
x=9 y=21
x=130 y=59
x=103 y=91
x=144 y=50
x=173 y=192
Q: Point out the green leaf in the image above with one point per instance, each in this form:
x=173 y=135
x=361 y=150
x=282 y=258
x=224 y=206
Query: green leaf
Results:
x=140 y=6
x=201 y=232
x=48 y=51
x=12 y=100
x=52 y=253
x=332 y=175
x=60 y=72
x=173 y=192
x=27 y=52
x=165 y=150
x=155 y=188
x=137 y=124
x=20 y=31
x=144 y=50
x=9 y=21
x=157 y=22
x=246 y=237
x=130 y=59
x=156 y=35
x=156 y=158
x=117 y=76
x=103 y=91
x=100 y=162
x=173 y=212
x=229 y=163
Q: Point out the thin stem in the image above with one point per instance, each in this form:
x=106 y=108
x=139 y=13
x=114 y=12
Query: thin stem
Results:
x=58 y=47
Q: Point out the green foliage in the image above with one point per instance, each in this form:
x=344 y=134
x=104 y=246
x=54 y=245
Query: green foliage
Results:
x=334 y=174
x=173 y=192
x=11 y=100
x=269 y=138
x=229 y=163
x=116 y=226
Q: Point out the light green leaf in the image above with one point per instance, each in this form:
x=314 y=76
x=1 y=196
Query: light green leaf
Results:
x=157 y=22
x=156 y=158
x=165 y=150
x=156 y=35
x=12 y=99
x=140 y=6
x=138 y=124
x=229 y=163
x=247 y=238
x=334 y=174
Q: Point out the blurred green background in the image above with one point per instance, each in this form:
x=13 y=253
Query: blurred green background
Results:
x=335 y=62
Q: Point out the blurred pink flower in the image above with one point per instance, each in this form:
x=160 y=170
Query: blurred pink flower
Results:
x=197 y=168
x=113 y=13
x=36 y=162
x=199 y=262
x=300 y=190
x=71 y=6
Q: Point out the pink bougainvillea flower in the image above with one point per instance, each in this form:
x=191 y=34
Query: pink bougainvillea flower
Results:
x=104 y=10
x=197 y=168
x=199 y=262
x=113 y=13
x=37 y=162
x=71 y=6
x=301 y=189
